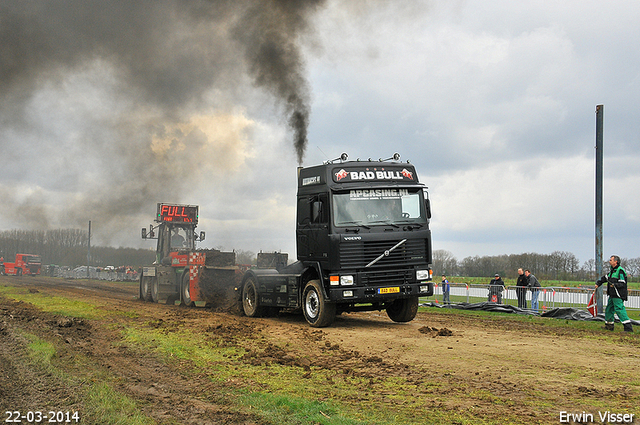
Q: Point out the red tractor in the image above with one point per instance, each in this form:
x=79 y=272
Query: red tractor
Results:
x=180 y=271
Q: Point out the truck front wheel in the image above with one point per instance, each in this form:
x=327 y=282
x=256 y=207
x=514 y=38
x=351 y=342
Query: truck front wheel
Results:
x=403 y=310
x=318 y=312
x=251 y=299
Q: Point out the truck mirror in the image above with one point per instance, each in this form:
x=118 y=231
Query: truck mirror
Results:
x=144 y=233
x=427 y=205
x=201 y=236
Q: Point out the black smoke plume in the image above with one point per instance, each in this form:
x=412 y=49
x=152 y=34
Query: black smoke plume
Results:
x=141 y=70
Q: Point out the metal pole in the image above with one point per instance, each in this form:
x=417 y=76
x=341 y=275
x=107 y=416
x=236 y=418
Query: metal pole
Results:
x=599 y=169
x=89 y=251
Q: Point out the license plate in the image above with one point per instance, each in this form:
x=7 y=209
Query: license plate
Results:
x=392 y=290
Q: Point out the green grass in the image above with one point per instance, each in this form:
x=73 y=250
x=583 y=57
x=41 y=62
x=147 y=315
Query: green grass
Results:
x=52 y=304
x=40 y=352
x=106 y=406
x=296 y=410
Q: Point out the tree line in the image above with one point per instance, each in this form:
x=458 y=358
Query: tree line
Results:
x=559 y=265
x=68 y=247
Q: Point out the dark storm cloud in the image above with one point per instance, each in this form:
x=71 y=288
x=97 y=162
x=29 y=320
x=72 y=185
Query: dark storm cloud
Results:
x=161 y=61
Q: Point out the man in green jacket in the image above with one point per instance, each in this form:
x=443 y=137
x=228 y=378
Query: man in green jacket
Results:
x=617 y=291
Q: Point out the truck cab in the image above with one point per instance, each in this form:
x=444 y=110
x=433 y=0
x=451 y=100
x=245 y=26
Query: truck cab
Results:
x=363 y=243
x=25 y=264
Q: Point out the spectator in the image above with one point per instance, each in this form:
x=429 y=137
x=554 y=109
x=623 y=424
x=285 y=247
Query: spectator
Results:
x=521 y=289
x=617 y=291
x=534 y=285
x=496 y=286
x=446 y=290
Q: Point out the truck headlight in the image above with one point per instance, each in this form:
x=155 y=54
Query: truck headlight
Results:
x=424 y=288
x=346 y=280
x=346 y=294
x=422 y=275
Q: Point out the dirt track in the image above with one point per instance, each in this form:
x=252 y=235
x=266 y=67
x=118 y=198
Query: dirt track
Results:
x=493 y=368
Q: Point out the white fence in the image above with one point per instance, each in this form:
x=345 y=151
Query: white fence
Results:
x=81 y=273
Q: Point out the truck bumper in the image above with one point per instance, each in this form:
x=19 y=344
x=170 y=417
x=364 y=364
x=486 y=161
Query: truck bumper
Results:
x=375 y=294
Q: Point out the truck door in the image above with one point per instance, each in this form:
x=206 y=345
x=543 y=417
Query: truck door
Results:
x=313 y=227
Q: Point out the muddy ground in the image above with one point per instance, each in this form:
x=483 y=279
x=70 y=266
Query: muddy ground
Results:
x=491 y=367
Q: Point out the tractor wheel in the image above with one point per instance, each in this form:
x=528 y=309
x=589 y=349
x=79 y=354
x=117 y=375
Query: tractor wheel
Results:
x=403 y=310
x=155 y=289
x=318 y=312
x=146 y=284
x=251 y=299
x=142 y=289
x=185 y=291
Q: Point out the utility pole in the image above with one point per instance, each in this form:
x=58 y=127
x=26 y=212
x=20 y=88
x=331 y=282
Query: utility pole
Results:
x=599 y=170
x=89 y=251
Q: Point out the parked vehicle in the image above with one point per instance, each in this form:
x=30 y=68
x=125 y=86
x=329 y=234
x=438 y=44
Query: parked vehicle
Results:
x=25 y=264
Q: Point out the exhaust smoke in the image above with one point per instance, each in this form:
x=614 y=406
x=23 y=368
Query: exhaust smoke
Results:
x=109 y=107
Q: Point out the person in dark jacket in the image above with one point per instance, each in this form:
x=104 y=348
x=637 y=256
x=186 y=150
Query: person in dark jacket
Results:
x=534 y=286
x=446 y=291
x=521 y=289
x=617 y=291
x=496 y=286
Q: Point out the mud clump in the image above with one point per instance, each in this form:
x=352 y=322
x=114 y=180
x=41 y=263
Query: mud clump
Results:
x=434 y=332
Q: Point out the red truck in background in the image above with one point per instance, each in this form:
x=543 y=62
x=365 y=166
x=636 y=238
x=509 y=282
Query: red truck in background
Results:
x=27 y=264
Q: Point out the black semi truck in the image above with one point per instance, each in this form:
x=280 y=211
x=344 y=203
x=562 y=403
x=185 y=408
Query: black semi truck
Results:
x=363 y=243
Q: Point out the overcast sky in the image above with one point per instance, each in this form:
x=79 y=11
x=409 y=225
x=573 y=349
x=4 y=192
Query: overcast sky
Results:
x=107 y=108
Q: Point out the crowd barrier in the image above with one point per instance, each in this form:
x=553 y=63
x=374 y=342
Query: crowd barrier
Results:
x=549 y=297
x=111 y=275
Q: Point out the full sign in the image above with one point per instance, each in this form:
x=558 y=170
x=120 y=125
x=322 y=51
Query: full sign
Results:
x=177 y=213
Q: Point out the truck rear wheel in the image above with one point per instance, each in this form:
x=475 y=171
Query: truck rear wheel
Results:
x=251 y=299
x=185 y=291
x=318 y=312
x=403 y=310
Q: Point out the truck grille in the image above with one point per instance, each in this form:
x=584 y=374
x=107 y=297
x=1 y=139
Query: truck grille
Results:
x=387 y=277
x=356 y=255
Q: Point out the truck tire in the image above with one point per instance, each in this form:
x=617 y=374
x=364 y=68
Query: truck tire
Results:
x=318 y=312
x=185 y=291
x=251 y=299
x=403 y=310
x=18 y=272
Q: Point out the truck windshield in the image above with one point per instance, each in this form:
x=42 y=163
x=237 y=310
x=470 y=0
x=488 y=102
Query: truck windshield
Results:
x=366 y=207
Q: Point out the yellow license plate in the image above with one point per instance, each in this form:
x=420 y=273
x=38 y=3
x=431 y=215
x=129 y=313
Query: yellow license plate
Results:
x=392 y=290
